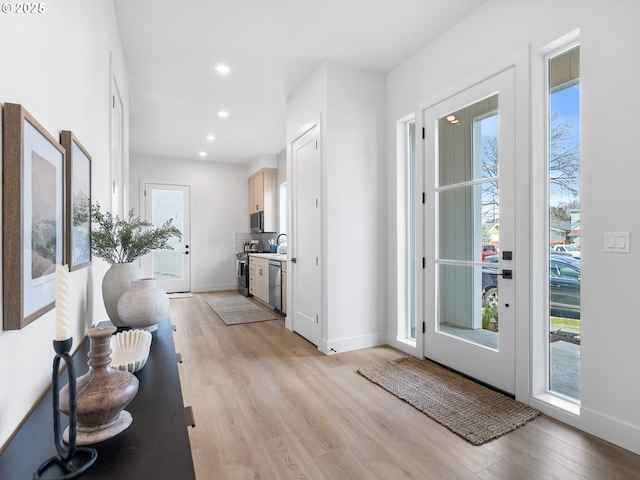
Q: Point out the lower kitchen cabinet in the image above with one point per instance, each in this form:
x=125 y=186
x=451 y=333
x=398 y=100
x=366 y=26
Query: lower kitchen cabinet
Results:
x=259 y=278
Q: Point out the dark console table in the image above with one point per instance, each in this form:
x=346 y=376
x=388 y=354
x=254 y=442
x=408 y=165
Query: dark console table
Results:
x=156 y=445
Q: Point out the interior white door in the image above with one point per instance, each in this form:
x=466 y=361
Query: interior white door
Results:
x=170 y=268
x=117 y=152
x=469 y=165
x=306 y=236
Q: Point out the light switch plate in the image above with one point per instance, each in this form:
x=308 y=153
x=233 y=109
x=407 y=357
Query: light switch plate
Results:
x=616 y=242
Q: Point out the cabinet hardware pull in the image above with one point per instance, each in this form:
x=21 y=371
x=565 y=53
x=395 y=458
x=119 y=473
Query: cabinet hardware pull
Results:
x=188 y=414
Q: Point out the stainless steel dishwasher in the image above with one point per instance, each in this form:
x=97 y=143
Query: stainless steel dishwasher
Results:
x=275 y=284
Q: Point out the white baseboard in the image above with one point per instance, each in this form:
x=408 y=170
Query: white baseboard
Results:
x=215 y=287
x=610 y=429
x=353 y=343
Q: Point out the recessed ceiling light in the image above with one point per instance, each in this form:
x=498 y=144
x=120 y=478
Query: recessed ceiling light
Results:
x=203 y=154
x=223 y=114
x=222 y=68
x=211 y=138
x=451 y=118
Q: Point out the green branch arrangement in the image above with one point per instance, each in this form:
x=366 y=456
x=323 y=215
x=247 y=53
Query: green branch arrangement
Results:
x=123 y=241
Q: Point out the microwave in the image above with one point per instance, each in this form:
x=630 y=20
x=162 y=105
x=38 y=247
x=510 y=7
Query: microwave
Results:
x=257 y=222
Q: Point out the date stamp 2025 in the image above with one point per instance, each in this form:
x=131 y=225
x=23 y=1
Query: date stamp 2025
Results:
x=23 y=8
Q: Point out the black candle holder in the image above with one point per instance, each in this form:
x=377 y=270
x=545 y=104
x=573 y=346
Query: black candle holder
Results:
x=84 y=457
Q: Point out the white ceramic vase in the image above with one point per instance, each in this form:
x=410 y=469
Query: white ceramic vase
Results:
x=144 y=305
x=116 y=281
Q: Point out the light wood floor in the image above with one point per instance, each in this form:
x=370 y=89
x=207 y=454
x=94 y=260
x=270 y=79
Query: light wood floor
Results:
x=268 y=406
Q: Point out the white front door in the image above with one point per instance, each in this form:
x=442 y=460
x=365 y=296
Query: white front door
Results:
x=469 y=168
x=170 y=268
x=306 y=236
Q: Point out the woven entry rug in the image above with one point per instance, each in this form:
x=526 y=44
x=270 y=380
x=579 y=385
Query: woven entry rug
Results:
x=476 y=413
x=236 y=310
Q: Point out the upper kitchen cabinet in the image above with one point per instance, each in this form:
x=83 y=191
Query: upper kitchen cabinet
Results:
x=263 y=196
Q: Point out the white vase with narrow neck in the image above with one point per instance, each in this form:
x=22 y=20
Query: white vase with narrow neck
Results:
x=144 y=305
x=116 y=281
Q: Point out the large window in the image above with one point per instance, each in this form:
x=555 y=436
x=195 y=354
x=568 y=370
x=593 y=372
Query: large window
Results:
x=564 y=233
x=406 y=232
x=411 y=241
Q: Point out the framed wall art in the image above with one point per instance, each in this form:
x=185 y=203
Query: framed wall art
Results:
x=32 y=217
x=78 y=202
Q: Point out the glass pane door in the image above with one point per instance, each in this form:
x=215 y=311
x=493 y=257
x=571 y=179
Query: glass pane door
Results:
x=171 y=268
x=469 y=162
x=468 y=223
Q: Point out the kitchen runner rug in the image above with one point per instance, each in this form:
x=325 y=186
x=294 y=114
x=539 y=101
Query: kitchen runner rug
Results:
x=476 y=413
x=237 y=309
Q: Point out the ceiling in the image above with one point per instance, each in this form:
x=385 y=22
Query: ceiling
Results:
x=272 y=46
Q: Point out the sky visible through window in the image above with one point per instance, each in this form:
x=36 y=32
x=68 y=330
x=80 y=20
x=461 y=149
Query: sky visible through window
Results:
x=565 y=115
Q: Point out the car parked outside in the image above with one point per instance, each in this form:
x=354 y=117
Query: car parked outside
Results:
x=570 y=249
x=488 y=249
x=564 y=286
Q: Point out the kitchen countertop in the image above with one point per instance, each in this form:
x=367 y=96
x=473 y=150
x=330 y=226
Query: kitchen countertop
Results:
x=282 y=257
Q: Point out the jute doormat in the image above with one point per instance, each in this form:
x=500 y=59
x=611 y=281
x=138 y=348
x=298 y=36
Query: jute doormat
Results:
x=476 y=413
x=236 y=309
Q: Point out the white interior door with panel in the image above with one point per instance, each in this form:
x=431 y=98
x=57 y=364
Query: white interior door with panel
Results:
x=305 y=268
x=469 y=168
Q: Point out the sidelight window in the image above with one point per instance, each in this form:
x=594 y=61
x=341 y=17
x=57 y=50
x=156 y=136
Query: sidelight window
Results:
x=564 y=233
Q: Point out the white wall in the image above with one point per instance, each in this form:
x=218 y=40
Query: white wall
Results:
x=610 y=357
x=348 y=104
x=355 y=198
x=56 y=64
x=262 y=161
x=219 y=210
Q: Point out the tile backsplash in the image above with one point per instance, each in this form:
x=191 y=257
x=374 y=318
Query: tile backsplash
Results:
x=263 y=244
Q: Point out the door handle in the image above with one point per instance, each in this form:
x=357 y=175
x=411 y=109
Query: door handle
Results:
x=294 y=260
x=506 y=274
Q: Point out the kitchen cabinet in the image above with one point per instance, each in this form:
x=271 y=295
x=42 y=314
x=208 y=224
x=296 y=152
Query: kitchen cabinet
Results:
x=284 y=287
x=259 y=278
x=263 y=196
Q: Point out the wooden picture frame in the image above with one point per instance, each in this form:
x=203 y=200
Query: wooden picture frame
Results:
x=77 y=232
x=32 y=217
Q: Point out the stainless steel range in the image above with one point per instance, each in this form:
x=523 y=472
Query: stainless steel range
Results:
x=242 y=272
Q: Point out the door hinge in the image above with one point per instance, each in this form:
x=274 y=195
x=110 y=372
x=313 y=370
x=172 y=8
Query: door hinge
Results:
x=424 y=197
x=316 y=144
x=317 y=318
x=423 y=133
x=145 y=193
x=424 y=262
x=424 y=327
x=113 y=101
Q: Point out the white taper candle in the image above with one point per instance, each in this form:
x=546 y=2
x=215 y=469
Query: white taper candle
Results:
x=62 y=303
